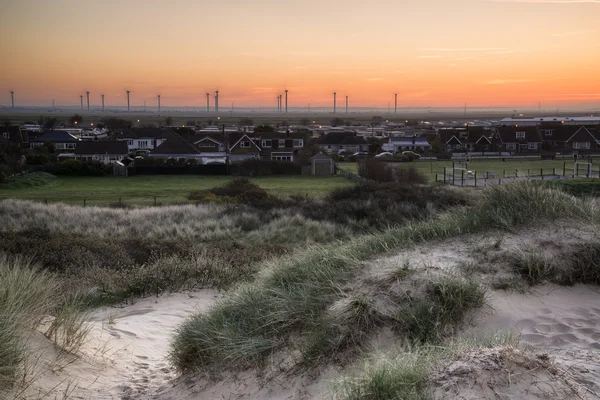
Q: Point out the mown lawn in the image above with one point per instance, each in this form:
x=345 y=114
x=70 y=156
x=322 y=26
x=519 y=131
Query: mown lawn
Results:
x=141 y=190
x=431 y=168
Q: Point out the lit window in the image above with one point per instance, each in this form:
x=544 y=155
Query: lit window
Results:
x=520 y=135
x=281 y=143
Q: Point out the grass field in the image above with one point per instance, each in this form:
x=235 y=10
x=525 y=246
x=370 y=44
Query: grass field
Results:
x=431 y=168
x=141 y=190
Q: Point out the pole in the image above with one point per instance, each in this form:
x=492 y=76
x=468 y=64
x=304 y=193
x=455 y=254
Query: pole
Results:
x=216 y=101
x=334 y=101
x=81 y=101
x=159 y=103
x=395 y=103
x=207 y=102
x=286 y=101
x=346 y=104
x=12 y=98
x=128 y=100
x=87 y=94
x=102 y=103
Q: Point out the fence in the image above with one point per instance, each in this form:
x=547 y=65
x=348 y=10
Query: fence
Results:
x=487 y=178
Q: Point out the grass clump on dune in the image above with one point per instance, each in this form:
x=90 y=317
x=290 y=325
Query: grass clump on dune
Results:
x=292 y=298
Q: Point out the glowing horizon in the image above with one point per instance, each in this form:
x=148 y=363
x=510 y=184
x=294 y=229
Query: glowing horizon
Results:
x=483 y=52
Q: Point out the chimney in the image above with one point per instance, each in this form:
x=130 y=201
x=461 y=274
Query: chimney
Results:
x=286 y=101
x=334 y=101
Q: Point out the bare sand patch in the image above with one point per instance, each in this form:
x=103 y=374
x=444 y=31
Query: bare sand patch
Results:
x=124 y=356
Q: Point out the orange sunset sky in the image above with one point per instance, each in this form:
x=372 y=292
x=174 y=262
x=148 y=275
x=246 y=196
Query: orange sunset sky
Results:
x=431 y=52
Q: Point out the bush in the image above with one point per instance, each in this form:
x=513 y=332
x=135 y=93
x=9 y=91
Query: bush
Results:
x=257 y=167
x=380 y=171
x=238 y=190
x=75 y=168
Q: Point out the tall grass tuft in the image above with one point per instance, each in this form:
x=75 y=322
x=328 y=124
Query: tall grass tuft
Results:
x=27 y=296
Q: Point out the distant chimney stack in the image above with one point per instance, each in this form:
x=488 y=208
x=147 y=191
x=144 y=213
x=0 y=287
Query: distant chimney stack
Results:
x=334 y=101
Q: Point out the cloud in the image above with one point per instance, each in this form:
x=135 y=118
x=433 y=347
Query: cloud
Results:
x=547 y=1
x=507 y=81
x=436 y=56
x=374 y=79
x=573 y=33
x=482 y=49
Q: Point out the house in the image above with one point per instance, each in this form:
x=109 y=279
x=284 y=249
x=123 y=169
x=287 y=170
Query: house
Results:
x=520 y=139
x=15 y=134
x=103 y=151
x=469 y=138
x=335 y=142
x=145 y=138
x=241 y=147
x=176 y=147
x=569 y=137
x=280 y=146
x=64 y=142
x=395 y=144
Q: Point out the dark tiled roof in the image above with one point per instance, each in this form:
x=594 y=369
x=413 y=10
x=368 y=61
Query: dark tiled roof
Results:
x=101 y=147
x=56 y=136
x=175 y=145
x=508 y=134
x=338 y=138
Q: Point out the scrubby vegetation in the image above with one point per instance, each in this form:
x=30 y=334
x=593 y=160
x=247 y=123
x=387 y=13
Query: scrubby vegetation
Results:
x=299 y=287
x=380 y=171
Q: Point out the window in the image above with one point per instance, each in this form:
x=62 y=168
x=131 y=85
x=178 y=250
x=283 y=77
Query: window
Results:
x=245 y=144
x=511 y=146
x=130 y=143
x=548 y=132
x=5 y=135
x=281 y=143
x=60 y=146
x=523 y=145
x=69 y=145
x=581 y=145
x=143 y=144
x=282 y=158
x=533 y=146
x=205 y=143
x=298 y=143
x=520 y=135
x=267 y=143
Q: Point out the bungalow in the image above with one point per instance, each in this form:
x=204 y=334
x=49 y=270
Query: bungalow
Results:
x=395 y=144
x=176 y=147
x=63 y=141
x=520 y=138
x=103 y=151
x=335 y=142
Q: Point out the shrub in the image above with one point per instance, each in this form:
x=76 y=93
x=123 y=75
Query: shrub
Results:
x=380 y=171
x=238 y=190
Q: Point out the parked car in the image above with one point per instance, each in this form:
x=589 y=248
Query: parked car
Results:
x=385 y=154
x=360 y=154
x=411 y=154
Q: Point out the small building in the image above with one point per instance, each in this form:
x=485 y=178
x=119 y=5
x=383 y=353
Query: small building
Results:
x=103 y=151
x=15 y=134
x=395 y=144
x=321 y=165
x=62 y=141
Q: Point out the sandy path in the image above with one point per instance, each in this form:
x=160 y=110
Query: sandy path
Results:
x=563 y=322
x=125 y=353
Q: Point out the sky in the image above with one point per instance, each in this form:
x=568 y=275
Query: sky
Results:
x=437 y=53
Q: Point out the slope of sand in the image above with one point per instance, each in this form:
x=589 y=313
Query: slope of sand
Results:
x=124 y=356
x=562 y=322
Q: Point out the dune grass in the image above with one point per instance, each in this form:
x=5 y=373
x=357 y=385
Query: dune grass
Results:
x=290 y=298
